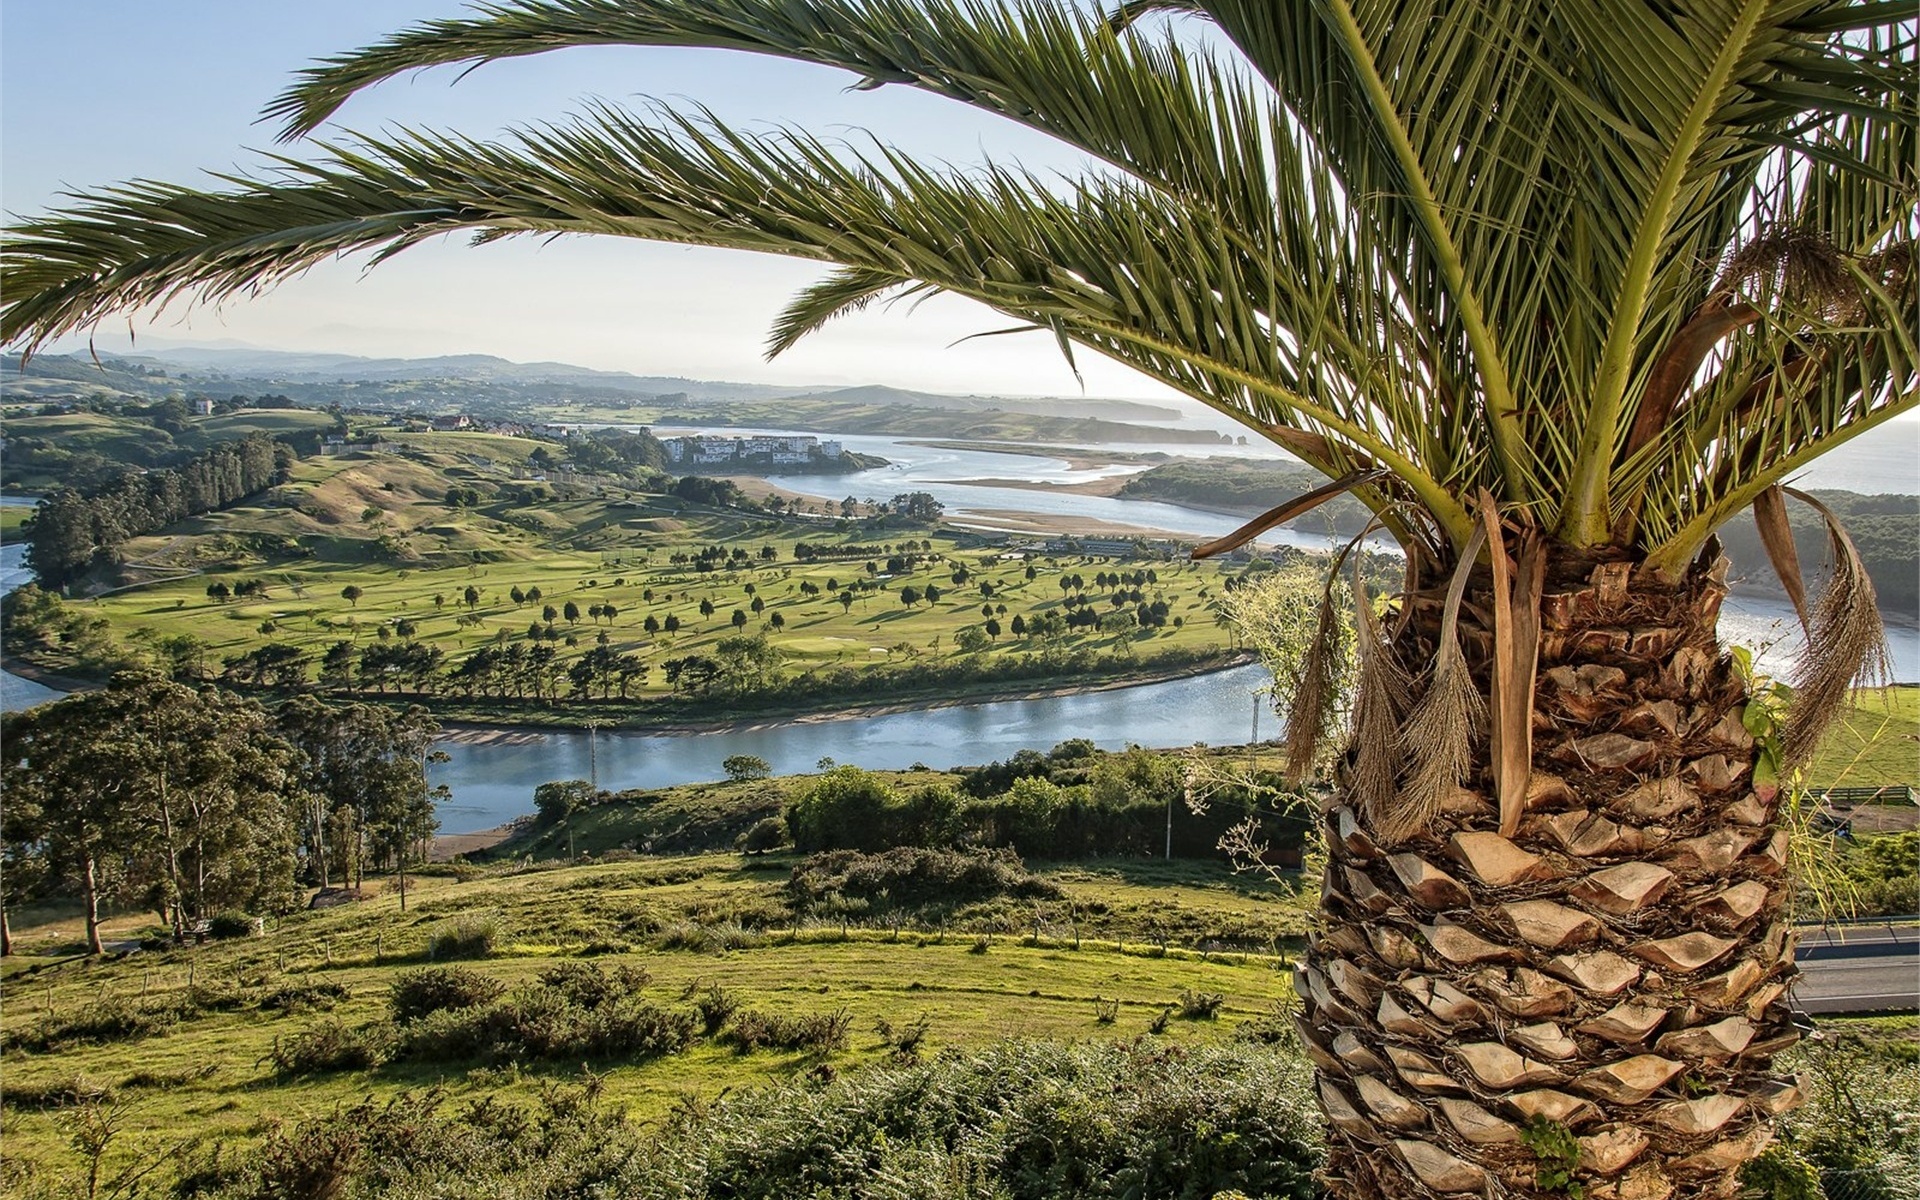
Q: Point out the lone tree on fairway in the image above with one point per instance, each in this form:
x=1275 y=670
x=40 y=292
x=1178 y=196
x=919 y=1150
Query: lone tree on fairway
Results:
x=1554 y=288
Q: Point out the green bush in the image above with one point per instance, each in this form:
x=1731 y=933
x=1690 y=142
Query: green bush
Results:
x=466 y=937
x=109 y=1019
x=715 y=1007
x=544 y=1023
x=1857 y=1128
x=766 y=835
x=816 y=1033
x=70 y=1092
x=1884 y=870
x=588 y=986
x=230 y=925
x=1019 y=1121
x=329 y=1046
x=422 y=993
x=910 y=877
x=304 y=997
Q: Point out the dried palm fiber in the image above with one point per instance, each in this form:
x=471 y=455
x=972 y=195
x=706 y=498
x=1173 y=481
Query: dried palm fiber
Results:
x=1776 y=535
x=1798 y=265
x=1438 y=735
x=1382 y=696
x=1311 y=703
x=1846 y=643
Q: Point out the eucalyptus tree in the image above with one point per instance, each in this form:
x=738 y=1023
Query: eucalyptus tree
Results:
x=360 y=775
x=1555 y=289
x=151 y=792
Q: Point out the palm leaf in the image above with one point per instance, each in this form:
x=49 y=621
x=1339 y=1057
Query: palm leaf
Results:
x=1462 y=242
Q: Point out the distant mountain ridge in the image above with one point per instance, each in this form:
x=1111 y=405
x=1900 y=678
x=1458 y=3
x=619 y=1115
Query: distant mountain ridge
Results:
x=226 y=367
x=301 y=367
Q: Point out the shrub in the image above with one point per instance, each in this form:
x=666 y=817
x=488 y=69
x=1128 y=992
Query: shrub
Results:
x=230 y=925
x=1018 y=1121
x=1856 y=1128
x=70 y=1092
x=911 y=877
x=820 y=1033
x=109 y=1019
x=717 y=938
x=766 y=836
x=904 y=1040
x=304 y=997
x=329 y=1046
x=1200 y=1006
x=466 y=937
x=458 y=870
x=421 y=993
x=715 y=1007
x=542 y=1023
x=588 y=986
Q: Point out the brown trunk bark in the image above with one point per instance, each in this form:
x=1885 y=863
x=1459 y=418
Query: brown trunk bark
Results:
x=90 y=897
x=1604 y=990
x=173 y=863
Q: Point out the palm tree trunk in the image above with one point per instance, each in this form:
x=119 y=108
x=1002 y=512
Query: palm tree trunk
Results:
x=1603 y=991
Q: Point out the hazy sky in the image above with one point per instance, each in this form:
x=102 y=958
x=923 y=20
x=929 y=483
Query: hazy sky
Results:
x=96 y=91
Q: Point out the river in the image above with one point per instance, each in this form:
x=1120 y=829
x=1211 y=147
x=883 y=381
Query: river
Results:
x=492 y=775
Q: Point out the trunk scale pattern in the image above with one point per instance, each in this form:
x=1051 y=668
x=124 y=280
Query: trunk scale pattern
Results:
x=1596 y=1000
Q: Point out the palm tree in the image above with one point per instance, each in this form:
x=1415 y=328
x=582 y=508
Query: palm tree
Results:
x=1555 y=288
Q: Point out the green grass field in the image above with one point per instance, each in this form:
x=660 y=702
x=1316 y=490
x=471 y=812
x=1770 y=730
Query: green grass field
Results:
x=377 y=522
x=212 y=1074
x=1876 y=743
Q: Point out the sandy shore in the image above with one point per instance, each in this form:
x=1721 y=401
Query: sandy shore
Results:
x=444 y=846
x=1109 y=486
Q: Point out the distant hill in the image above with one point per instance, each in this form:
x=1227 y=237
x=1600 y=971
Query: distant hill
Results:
x=1045 y=406
x=312 y=378
x=282 y=366
x=61 y=376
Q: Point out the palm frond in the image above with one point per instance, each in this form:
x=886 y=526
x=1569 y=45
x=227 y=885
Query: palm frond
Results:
x=844 y=291
x=1543 y=248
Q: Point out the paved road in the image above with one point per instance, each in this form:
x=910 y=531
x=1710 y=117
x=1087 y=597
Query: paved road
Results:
x=1859 y=969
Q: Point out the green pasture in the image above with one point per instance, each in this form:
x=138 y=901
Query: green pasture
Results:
x=1875 y=743
x=378 y=523
x=84 y=432
x=212 y=1073
x=270 y=421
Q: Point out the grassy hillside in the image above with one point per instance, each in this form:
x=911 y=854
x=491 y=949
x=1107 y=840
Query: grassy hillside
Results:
x=364 y=549
x=1874 y=744
x=186 y=1039
x=84 y=449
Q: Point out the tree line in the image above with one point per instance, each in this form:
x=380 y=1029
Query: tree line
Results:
x=1073 y=802
x=72 y=532
x=194 y=801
